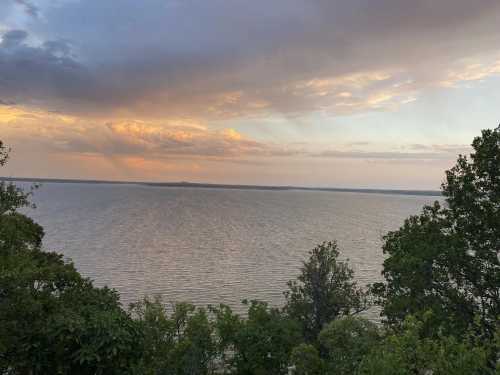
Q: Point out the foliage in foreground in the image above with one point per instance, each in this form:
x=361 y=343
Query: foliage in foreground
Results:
x=52 y=320
x=440 y=301
x=178 y=343
x=447 y=259
x=409 y=352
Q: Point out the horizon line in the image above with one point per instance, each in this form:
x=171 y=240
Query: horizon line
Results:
x=201 y=185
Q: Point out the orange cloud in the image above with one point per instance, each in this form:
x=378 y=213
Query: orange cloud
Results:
x=180 y=138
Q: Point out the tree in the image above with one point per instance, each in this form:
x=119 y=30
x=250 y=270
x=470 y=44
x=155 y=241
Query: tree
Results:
x=260 y=344
x=53 y=320
x=447 y=259
x=346 y=341
x=417 y=272
x=178 y=343
x=472 y=191
x=325 y=290
x=4 y=154
x=306 y=360
x=407 y=352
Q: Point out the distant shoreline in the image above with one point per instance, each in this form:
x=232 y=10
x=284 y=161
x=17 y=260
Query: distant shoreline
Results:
x=226 y=186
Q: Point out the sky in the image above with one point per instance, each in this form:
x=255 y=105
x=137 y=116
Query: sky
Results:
x=327 y=93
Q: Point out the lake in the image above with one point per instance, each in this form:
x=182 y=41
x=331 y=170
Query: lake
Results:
x=208 y=246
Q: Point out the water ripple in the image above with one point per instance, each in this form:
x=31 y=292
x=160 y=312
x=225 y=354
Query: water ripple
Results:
x=212 y=245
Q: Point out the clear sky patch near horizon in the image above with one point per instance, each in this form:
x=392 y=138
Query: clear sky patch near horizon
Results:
x=360 y=93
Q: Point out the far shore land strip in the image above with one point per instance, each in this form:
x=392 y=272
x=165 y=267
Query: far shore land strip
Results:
x=227 y=186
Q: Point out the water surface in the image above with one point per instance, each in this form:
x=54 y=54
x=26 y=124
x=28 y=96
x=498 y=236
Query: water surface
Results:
x=212 y=245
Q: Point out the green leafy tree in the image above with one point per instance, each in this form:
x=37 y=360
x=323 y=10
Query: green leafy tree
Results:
x=178 y=343
x=306 y=360
x=417 y=273
x=406 y=352
x=497 y=348
x=472 y=191
x=52 y=320
x=324 y=291
x=226 y=325
x=447 y=259
x=260 y=344
x=17 y=232
x=346 y=341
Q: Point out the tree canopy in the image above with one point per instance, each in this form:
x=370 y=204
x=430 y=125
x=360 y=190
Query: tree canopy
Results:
x=53 y=320
x=447 y=259
x=324 y=291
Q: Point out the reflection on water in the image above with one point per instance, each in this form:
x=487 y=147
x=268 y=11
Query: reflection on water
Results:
x=211 y=245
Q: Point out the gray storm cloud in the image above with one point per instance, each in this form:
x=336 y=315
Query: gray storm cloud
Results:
x=232 y=58
x=38 y=74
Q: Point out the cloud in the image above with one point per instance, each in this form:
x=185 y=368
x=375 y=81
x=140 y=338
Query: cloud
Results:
x=223 y=59
x=355 y=93
x=13 y=38
x=450 y=148
x=29 y=7
x=174 y=138
x=188 y=139
x=388 y=155
x=182 y=140
x=32 y=74
x=470 y=70
x=6 y=102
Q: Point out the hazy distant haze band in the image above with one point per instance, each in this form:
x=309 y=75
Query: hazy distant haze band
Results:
x=228 y=186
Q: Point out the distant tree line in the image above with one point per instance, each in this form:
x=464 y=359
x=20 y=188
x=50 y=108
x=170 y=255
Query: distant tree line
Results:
x=440 y=302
